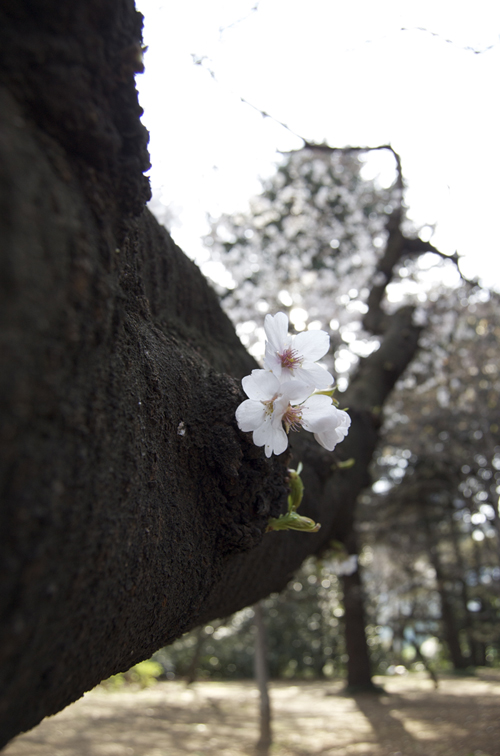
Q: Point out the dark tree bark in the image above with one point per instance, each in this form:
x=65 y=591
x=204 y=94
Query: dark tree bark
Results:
x=133 y=509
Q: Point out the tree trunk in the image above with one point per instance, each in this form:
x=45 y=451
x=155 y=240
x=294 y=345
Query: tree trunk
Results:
x=359 y=675
x=468 y=622
x=262 y=678
x=448 y=617
x=427 y=664
x=192 y=672
x=451 y=630
x=133 y=509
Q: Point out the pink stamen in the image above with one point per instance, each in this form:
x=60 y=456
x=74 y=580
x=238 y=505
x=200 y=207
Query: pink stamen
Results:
x=290 y=359
x=292 y=418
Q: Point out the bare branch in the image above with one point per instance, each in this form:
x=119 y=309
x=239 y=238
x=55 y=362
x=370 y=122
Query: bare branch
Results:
x=468 y=48
x=397 y=158
x=238 y=21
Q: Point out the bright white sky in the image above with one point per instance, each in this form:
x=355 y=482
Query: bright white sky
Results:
x=339 y=71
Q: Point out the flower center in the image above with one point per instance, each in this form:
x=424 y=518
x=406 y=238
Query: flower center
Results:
x=292 y=418
x=290 y=359
x=269 y=405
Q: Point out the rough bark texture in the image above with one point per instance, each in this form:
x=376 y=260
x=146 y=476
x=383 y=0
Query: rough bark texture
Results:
x=132 y=507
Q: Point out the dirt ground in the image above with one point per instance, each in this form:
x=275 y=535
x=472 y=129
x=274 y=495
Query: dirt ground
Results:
x=461 y=718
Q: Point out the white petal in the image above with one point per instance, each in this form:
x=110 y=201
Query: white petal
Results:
x=312 y=345
x=271 y=360
x=295 y=391
x=345 y=424
x=280 y=405
x=332 y=433
x=264 y=433
x=338 y=419
x=314 y=375
x=272 y=436
x=276 y=328
x=317 y=414
x=328 y=439
x=261 y=385
x=280 y=440
x=250 y=415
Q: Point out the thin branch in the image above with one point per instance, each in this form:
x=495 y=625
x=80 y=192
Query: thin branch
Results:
x=417 y=247
x=398 y=246
x=264 y=114
x=201 y=60
x=238 y=21
x=397 y=157
x=468 y=48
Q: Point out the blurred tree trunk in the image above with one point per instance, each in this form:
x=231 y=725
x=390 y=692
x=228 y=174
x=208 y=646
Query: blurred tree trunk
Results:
x=262 y=679
x=449 y=619
x=133 y=509
x=468 y=623
x=359 y=674
x=451 y=630
x=427 y=664
x=192 y=672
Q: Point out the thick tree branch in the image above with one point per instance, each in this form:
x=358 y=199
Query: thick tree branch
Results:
x=127 y=489
x=132 y=506
x=125 y=482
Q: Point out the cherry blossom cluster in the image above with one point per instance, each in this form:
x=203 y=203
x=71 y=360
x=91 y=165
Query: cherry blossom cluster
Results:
x=291 y=391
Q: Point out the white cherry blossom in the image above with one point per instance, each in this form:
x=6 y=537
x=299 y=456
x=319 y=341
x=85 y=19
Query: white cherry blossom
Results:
x=329 y=424
x=318 y=415
x=281 y=398
x=274 y=408
x=295 y=356
x=263 y=411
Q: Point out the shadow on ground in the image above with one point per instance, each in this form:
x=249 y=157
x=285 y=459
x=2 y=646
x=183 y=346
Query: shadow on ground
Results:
x=461 y=718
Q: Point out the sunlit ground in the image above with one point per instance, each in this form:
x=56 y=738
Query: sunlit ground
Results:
x=462 y=718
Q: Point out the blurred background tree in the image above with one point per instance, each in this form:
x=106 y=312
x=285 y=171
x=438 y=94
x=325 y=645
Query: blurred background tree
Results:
x=306 y=248
x=435 y=505
x=428 y=527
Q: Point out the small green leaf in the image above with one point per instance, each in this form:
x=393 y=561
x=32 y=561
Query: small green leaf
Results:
x=293 y=521
x=296 y=489
x=344 y=465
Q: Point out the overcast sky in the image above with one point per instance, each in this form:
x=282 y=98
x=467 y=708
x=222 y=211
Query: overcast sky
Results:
x=423 y=76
